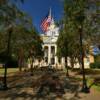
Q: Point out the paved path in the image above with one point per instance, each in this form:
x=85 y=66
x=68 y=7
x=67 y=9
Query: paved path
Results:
x=21 y=88
x=93 y=95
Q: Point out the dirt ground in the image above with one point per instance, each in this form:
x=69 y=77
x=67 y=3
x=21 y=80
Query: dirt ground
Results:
x=23 y=86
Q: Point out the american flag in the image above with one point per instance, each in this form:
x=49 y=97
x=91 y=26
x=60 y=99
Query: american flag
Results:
x=46 y=23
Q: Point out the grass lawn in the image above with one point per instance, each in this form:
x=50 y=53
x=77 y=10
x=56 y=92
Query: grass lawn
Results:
x=90 y=72
x=95 y=86
x=9 y=70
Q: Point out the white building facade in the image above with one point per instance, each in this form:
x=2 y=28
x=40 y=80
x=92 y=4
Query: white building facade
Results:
x=50 y=49
x=49 y=44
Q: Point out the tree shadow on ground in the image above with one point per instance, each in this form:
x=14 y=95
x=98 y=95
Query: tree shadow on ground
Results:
x=48 y=85
x=20 y=96
x=51 y=83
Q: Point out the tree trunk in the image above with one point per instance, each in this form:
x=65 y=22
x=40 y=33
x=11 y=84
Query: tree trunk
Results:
x=7 y=59
x=20 y=59
x=66 y=66
x=72 y=62
x=84 y=87
x=32 y=61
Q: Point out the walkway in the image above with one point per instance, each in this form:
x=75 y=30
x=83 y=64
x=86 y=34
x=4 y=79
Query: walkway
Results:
x=23 y=86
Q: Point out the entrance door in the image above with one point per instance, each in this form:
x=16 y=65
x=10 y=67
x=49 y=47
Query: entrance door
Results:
x=52 y=55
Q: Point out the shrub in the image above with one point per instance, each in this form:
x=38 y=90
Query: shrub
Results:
x=97 y=58
x=95 y=65
x=12 y=63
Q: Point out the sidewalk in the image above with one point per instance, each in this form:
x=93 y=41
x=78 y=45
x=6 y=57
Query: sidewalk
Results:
x=21 y=88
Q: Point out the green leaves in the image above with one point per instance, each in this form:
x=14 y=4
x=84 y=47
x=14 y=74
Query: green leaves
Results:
x=24 y=35
x=77 y=14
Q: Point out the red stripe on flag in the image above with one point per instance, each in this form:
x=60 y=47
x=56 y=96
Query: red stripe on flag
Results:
x=46 y=23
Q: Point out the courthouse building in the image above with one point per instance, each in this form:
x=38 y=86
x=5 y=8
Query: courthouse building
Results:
x=49 y=38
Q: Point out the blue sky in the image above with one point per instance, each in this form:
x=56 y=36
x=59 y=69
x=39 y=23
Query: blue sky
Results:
x=96 y=50
x=38 y=9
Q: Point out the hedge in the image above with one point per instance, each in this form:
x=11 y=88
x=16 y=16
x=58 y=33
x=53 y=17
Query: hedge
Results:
x=95 y=65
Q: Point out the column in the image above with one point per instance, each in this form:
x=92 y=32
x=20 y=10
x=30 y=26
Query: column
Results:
x=56 y=59
x=63 y=62
x=49 y=54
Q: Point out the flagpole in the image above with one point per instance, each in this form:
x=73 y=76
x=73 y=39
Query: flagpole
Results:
x=45 y=26
x=50 y=65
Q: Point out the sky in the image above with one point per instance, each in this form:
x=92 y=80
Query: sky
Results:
x=38 y=9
